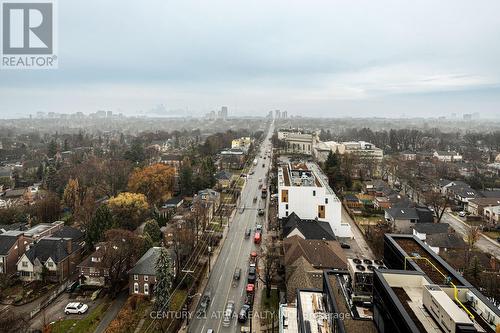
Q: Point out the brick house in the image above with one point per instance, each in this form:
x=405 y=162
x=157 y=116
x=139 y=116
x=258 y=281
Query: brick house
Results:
x=142 y=277
x=59 y=256
x=12 y=247
x=91 y=271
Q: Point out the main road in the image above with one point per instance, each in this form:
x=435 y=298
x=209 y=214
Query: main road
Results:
x=236 y=251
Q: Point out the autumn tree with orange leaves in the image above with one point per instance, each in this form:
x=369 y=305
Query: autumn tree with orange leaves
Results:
x=156 y=182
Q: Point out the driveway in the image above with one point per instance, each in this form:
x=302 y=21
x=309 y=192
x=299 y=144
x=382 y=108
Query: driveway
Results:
x=55 y=311
x=112 y=311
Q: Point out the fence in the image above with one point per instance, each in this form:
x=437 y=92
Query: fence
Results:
x=44 y=303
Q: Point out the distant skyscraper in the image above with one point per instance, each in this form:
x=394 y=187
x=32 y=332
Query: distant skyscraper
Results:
x=109 y=114
x=284 y=114
x=223 y=112
x=277 y=114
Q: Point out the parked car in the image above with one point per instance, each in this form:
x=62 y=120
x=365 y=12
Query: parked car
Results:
x=204 y=304
x=228 y=314
x=345 y=246
x=252 y=274
x=242 y=209
x=462 y=214
x=243 y=315
x=258 y=228
x=498 y=239
x=260 y=212
x=76 y=307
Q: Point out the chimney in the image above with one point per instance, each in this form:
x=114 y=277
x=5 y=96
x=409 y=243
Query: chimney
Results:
x=69 y=245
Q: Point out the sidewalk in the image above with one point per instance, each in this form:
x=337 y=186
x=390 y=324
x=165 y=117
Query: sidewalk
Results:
x=112 y=311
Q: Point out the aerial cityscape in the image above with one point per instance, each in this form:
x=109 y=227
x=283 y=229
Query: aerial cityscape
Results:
x=274 y=167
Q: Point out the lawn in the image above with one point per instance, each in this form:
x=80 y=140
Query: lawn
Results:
x=269 y=307
x=492 y=234
x=88 y=324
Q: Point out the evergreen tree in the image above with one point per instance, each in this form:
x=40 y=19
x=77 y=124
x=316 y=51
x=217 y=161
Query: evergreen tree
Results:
x=102 y=221
x=152 y=228
x=164 y=280
x=186 y=180
x=52 y=149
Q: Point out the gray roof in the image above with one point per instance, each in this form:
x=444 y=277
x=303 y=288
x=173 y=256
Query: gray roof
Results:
x=403 y=213
x=431 y=228
x=445 y=240
x=223 y=175
x=147 y=264
x=311 y=229
x=6 y=243
x=50 y=247
x=68 y=232
x=5 y=171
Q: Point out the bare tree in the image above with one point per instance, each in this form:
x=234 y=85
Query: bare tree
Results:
x=438 y=203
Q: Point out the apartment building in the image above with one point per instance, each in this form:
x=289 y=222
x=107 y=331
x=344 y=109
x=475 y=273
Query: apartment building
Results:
x=297 y=141
x=361 y=149
x=303 y=189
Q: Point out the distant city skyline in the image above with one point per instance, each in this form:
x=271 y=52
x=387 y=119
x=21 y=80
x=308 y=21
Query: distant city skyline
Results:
x=328 y=59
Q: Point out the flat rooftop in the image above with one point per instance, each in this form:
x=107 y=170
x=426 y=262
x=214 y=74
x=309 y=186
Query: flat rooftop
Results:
x=313 y=311
x=289 y=319
x=428 y=264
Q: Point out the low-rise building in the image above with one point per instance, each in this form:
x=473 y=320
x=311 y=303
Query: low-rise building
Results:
x=476 y=206
x=142 y=277
x=304 y=190
x=297 y=141
x=447 y=156
x=403 y=219
x=231 y=159
x=492 y=214
x=56 y=258
x=12 y=247
x=91 y=270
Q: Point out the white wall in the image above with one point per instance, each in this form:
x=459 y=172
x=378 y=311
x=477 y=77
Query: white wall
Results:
x=302 y=202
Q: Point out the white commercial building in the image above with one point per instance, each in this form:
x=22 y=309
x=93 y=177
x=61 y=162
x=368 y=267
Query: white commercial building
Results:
x=297 y=141
x=304 y=190
x=361 y=149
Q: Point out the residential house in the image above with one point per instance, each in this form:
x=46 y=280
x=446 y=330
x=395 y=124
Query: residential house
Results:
x=306 y=259
x=476 y=206
x=306 y=229
x=206 y=202
x=171 y=206
x=59 y=256
x=223 y=179
x=242 y=143
x=91 y=270
x=142 y=277
x=12 y=246
x=43 y=230
x=461 y=194
x=404 y=218
x=492 y=214
x=438 y=236
x=231 y=159
x=447 y=156
x=408 y=155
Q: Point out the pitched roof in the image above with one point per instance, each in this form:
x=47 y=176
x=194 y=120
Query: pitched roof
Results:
x=6 y=243
x=50 y=247
x=402 y=213
x=491 y=201
x=445 y=240
x=146 y=265
x=223 y=175
x=491 y=194
x=431 y=228
x=319 y=253
x=311 y=229
x=425 y=215
x=301 y=274
x=68 y=232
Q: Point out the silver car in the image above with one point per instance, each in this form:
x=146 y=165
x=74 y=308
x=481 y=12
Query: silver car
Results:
x=228 y=314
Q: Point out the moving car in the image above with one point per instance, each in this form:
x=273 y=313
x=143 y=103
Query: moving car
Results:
x=248 y=232
x=237 y=273
x=228 y=314
x=76 y=307
x=260 y=212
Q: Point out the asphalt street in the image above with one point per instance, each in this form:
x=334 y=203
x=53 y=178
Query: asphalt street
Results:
x=235 y=252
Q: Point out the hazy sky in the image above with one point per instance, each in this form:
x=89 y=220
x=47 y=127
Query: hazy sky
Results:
x=330 y=58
